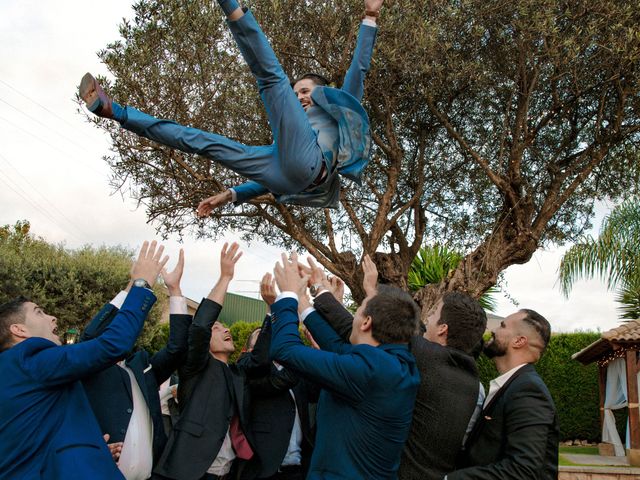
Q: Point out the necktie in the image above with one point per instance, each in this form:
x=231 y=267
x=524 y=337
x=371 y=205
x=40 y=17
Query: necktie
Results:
x=238 y=440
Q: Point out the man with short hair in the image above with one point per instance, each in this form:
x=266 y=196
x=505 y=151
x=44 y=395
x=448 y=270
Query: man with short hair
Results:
x=517 y=434
x=368 y=385
x=213 y=396
x=321 y=134
x=47 y=428
x=449 y=383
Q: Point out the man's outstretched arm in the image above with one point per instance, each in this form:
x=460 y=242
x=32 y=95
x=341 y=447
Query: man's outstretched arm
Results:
x=239 y=194
x=361 y=62
x=53 y=366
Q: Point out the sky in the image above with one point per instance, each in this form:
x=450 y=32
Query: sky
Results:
x=52 y=173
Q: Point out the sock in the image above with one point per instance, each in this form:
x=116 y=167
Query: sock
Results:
x=119 y=112
x=228 y=6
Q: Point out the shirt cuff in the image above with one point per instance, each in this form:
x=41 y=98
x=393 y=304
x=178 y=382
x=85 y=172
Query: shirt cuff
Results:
x=322 y=291
x=234 y=195
x=369 y=23
x=306 y=312
x=178 y=306
x=119 y=299
x=287 y=295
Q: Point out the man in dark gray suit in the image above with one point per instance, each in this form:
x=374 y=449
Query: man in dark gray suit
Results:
x=517 y=434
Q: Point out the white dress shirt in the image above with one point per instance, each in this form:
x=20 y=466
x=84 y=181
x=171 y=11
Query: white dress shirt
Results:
x=498 y=382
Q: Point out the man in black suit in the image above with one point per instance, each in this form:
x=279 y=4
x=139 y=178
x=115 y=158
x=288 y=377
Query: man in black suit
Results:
x=280 y=421
x=124 y=397
x=449 y=382
x=517 y=434
x=213 y=396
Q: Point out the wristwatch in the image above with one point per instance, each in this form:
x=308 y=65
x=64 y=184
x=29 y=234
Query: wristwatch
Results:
x=141 y=282
x=315 y=289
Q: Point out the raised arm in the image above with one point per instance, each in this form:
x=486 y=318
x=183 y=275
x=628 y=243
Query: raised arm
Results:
x=62 y=364
x=208 y=311
x=361 y=62
x=239 y=194
x=168 y=359
x=346 y=373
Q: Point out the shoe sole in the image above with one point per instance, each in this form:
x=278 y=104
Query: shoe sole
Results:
x=88 y=93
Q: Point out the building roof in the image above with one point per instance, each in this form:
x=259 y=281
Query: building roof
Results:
x=624 y=335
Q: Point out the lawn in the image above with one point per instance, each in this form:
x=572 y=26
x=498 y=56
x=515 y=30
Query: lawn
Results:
x=580 y=450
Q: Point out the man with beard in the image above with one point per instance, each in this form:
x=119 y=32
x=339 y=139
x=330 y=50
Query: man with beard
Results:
x=517 y=434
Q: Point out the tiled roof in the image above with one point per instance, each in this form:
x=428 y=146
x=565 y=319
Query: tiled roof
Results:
x=626 y=333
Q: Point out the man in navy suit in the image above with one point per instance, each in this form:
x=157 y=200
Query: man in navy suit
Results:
x=124 y=397
x=319 y=132
x=368 y=386
x=517 y=434
x=47 y=428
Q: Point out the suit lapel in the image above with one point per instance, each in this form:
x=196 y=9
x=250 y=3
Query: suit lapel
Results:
x=126 y=380
x=487 y=408
x=135 y=364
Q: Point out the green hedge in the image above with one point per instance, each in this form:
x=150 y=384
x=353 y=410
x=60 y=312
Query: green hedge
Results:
x=573 y=386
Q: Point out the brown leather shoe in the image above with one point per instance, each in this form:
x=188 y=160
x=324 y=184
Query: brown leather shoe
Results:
x=93 y=95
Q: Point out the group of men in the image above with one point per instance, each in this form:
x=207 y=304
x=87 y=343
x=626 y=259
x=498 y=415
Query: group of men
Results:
x=377 y=398
x=381 y=395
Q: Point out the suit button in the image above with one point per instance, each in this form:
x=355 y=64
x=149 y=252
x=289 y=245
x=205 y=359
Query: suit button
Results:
x=129 y=410
x=123 y=430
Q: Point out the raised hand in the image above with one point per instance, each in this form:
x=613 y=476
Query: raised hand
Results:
x=288 y=275
x=336 y=287
x=316 y=274
x=149 y=263
x=208 y=205
x=172 y=279
x=268 y=289
x=229 y=256
x=370 y=280
x=373 y=5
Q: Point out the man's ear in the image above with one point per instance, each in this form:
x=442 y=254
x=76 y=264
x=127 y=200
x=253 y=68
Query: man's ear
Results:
x=443 y=330
x=19 y=330
x=520 y=341
x=367 y=324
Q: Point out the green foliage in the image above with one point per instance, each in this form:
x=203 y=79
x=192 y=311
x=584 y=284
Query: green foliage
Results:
x=573 y=386
x=495 y=124
x=72 y=285
x=240 y=332
x=434 y=263
x=613 y=257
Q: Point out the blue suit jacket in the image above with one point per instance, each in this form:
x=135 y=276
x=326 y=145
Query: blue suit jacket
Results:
x=47 y=428
x=109 y=391
x=369 y=392
x=346 y=155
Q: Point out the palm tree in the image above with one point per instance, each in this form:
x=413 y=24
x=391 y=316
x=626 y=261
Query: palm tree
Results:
x=434 y=263
x=613 y=257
